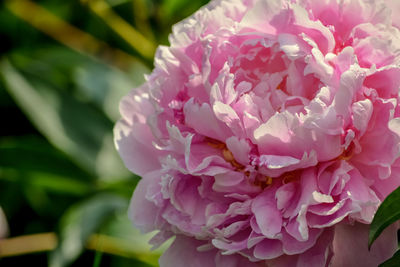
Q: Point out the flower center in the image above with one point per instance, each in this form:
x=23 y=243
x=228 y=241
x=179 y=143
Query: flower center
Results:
x=254 y=176
x=347 y=153
x=226 y=153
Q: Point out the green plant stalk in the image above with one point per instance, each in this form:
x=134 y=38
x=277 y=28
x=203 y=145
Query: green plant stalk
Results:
x=126 y=31
x=68 y=35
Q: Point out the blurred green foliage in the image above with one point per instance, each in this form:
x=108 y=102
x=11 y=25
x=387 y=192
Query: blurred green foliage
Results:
x=64 y=65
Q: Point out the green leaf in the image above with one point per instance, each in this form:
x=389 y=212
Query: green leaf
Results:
x=118 y=2
x=58 y=184
x=128 y=262
x=123 y=188
x=80 y=222
x=37 y=198
x=32 y=154
x=34 y=163
x=97 y=259
x=182 y=8
x=393 y=261
x=105 y=86
x=91 y=80
x=133 y=242
x=70 y=125
x=388 y=212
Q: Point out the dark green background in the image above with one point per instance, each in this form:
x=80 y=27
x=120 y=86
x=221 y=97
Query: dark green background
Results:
x=59 y=171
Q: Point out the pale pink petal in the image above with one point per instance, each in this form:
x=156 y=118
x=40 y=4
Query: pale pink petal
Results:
x=141 y=209
x=355 y=251
x=184 y=252
x=267 y=215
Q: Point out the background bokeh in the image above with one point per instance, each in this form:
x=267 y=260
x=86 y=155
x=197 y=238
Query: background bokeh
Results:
x=64 y=65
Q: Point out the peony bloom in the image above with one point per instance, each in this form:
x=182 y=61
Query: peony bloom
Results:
x=268 y=134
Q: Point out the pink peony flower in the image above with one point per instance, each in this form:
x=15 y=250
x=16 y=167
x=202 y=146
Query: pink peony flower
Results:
x=268 y=134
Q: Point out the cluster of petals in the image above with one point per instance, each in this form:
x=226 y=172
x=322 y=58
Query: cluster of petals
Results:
x=268 y=134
